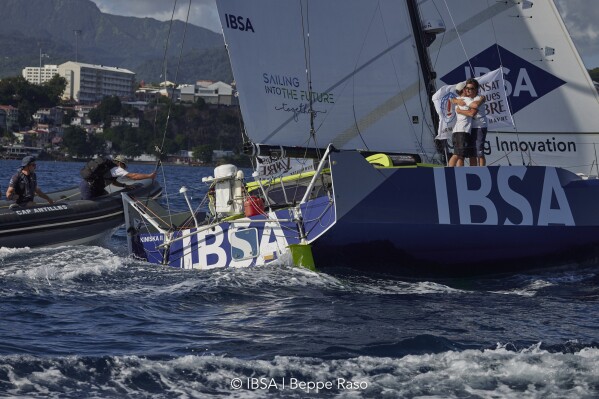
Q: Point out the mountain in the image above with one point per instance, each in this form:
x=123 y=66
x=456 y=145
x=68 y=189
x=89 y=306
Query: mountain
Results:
x=66 y=30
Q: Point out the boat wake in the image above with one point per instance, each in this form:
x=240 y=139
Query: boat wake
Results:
x=93 y=265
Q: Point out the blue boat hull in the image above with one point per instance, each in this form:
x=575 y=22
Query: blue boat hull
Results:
x=245 y=242
x=458 y=220
x=409 y=220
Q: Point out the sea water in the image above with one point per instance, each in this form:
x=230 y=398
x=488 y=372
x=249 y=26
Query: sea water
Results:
x=90 y=322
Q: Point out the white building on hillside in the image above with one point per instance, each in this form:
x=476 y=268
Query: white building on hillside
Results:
x=37 y=75
x=88 y=83
x=218 y=93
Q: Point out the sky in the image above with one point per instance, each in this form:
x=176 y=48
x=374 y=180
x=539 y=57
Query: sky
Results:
x=581 y=18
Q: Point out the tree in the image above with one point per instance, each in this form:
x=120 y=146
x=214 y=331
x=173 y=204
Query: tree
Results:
x=75 y=140
x=28 y=98
x=203 y=153
x=68 y=116
x=79 y=143
x=96 y=144
x=55 y=88
x=94 y=116
x=108 y=107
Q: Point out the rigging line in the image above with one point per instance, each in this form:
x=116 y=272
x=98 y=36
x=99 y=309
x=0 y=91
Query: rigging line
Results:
x=168 y=114
x=441 y=40
x=405 y=107
x=297 y=183
x=164 y=63
x=439 y=49
x=508 y=97
x=164 y=56
x=459 y=37
x=424 y=125
x=176 y=72
x=181 y=49
x=442 y=36
x=377 y=10
x=307 y=61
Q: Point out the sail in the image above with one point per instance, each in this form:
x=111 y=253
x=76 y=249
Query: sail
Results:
x=551 y=95
x=351 y=63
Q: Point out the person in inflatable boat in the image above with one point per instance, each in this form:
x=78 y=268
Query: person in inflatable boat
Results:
x=23 y=187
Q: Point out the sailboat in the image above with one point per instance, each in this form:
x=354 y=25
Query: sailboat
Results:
x=336 y=98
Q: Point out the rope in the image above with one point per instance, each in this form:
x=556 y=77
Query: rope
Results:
x=508 y=98
x=159 y=149
x=459 y=37
x=306 y=39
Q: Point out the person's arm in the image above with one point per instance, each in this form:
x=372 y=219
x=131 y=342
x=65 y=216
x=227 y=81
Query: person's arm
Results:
x=468 y=112
x=40 y=193
x=478 y=101
x=457 y=101
x=10 y=194
x=140 y=176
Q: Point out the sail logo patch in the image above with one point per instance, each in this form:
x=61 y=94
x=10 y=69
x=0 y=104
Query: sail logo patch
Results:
x=525 y=83
x=239 y=23
x=504 y=196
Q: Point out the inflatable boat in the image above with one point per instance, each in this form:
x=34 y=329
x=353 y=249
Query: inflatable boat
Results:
x=69 y=220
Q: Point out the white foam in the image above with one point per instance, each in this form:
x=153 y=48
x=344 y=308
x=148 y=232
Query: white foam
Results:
x=492 y=373
x=384 y=287
x=529 y=290
x=59 y=264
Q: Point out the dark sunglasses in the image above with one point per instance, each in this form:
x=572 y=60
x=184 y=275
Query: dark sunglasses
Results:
x=470 y=88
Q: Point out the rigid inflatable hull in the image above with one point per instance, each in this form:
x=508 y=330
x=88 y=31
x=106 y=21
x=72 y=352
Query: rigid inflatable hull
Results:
x=67 y=222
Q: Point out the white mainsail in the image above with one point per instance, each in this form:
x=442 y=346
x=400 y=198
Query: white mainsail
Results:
x=365 y=81
x=553 y=101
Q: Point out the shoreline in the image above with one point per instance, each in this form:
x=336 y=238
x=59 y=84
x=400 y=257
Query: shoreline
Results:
x=81 y=160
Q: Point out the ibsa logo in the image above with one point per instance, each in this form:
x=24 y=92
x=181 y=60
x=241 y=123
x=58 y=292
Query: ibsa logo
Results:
x=525 y=83
x=504 y=196
x=239 y=23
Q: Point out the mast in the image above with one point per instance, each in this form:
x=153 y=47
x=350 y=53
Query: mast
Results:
x=425 y=63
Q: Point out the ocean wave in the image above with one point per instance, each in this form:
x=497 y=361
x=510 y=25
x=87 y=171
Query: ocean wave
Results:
x=498 y=373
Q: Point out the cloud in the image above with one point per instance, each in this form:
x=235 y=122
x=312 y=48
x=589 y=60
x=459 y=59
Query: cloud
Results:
x=202 y=13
